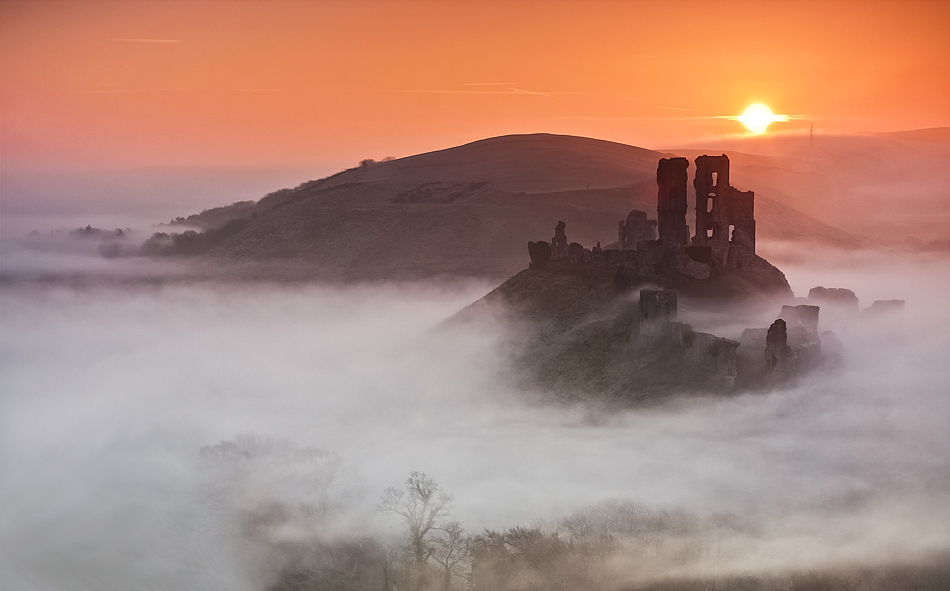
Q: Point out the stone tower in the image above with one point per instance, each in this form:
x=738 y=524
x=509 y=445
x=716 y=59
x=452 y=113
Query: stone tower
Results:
x=671 y=204
x=723 y=213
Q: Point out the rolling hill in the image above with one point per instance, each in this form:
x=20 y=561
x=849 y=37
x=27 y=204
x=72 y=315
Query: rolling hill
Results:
x=467 y=210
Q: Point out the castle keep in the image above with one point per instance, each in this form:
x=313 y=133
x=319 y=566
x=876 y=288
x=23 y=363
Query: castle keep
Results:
x=671 y=204
x=723 y=213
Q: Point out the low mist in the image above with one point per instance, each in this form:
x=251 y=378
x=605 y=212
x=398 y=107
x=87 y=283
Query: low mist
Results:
x=43 y=209
x=191 y=435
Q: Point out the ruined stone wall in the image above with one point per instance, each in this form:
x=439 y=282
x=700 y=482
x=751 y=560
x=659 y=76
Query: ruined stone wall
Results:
x=714 y=357
x=723 y=213
x=711 y=184
x=636 y=228
x=657 y=311
x=672 y=202
x=741 y=216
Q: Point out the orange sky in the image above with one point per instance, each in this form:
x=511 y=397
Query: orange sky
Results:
x=223 y=83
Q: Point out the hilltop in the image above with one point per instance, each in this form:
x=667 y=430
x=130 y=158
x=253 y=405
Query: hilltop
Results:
x=467 y=210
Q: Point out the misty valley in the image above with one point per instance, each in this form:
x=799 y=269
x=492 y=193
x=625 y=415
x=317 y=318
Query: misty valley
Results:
x=368 y=382
x=243 y=437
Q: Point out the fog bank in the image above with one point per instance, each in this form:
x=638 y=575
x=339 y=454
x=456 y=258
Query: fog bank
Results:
x=109 y=395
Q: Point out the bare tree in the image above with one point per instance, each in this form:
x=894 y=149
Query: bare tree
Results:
x=421 y=505
x=452 y=547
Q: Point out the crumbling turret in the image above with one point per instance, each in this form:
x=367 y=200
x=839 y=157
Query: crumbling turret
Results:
x=672 y=202
x=723 y=213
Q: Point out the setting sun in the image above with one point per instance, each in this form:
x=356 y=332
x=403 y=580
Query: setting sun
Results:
x=758 y=117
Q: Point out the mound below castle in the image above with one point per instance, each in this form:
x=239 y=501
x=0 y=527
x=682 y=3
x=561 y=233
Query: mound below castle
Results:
x=604 y=319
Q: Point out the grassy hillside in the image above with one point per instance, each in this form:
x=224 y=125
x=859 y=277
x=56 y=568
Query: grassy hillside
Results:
x=468 y=210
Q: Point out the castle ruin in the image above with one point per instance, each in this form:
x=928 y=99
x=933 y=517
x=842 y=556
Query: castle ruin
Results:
x=657 y=311
x=661 y=251
x=717 y=262
x=636 y=228
x=672 y=203
x=723 y=213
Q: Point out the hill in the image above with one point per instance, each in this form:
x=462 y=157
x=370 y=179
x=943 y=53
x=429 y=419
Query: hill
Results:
x=467 y=210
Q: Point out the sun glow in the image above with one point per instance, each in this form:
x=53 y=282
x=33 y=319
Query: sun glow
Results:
x=758 y=117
